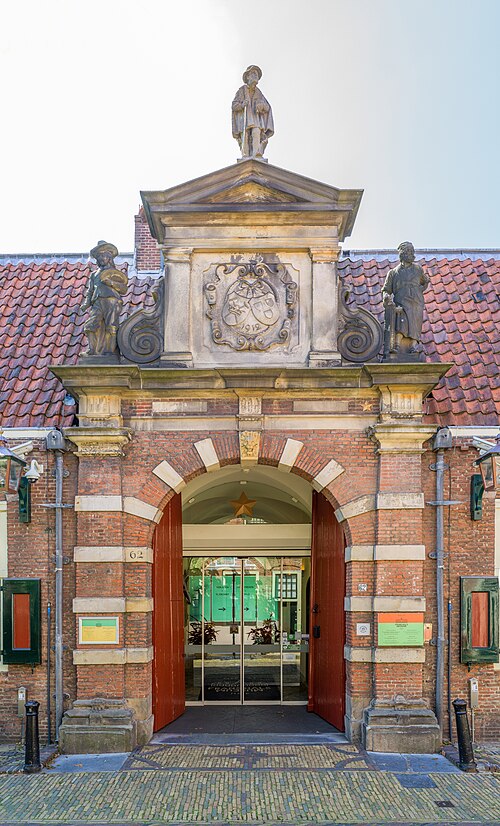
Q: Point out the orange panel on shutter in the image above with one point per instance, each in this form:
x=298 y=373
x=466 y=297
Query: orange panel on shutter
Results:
x=21 y=626
x=480 y=619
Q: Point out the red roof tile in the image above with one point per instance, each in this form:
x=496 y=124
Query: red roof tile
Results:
x=461 y=326
x=40 y=325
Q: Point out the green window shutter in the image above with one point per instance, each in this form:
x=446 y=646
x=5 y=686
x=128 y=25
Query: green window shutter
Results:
x=479 y=619
x=21 y=621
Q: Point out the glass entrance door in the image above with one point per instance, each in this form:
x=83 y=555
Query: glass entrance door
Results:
x=246 y=637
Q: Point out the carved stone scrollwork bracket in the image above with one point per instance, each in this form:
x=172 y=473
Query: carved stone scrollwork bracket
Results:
x=140 y=336
x=361 y=335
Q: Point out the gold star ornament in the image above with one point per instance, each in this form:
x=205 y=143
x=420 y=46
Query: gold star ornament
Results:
x=243 y=506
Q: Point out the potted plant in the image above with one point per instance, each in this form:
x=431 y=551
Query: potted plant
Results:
x=266 y=634
x=195 y=633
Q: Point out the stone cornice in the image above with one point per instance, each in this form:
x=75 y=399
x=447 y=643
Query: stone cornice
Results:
x=131 y=380
x=401 y=437
x=403 y=388
x=421 y=373
x=98 y=441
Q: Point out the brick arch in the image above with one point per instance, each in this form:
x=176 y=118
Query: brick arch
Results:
x=170 y=475
x=320 y=473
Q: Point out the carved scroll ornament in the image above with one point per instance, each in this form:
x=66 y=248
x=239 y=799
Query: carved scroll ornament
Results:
x=251 y=306
x=361 y=334
x=140 y=336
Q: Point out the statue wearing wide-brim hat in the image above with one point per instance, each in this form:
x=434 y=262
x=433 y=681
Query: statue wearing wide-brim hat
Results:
x=247 y=72
x=105 y=289
x=104 y=246
x=252 y=117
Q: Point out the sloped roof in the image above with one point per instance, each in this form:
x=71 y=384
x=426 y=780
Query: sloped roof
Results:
x=40 y=325
x=461 y=326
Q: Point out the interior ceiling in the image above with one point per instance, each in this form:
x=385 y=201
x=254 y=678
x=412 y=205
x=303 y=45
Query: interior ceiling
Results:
x=281 y=498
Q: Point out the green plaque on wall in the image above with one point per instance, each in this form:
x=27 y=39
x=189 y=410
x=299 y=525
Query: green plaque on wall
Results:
x=400 y=629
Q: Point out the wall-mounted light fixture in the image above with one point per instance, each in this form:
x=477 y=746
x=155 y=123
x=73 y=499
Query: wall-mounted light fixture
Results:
x=29 y=477
x=15 y=479
x=489 y=465
x=11 y=467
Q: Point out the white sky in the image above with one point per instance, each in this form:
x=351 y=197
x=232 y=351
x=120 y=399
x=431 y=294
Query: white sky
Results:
x=103 y=98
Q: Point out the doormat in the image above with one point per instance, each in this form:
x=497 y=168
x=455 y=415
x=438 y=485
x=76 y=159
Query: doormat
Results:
x=226 y=686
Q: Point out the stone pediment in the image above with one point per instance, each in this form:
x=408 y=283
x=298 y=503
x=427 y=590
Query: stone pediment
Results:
x=251 y=187
x=251 y=193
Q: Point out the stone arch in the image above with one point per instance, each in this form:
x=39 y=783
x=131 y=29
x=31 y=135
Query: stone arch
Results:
x=289 y=457
x=286 y=454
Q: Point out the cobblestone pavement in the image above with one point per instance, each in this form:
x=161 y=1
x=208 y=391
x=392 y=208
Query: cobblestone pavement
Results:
x=285 y=785
x=11 y=759
x=263 y=758
x=490 y=754
x=244 y=796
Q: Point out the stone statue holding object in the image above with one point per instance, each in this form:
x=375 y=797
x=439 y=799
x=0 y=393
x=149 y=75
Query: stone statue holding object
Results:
x=252 y=116
x=104 y=294
x=403 y=291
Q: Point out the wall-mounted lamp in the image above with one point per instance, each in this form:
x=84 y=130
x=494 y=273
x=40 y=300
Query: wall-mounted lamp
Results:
x=30 y=476
x=11 y=467
x=15 y=479
x=489 y=465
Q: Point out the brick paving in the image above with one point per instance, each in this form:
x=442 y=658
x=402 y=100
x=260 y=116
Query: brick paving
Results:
x=489 y=754
x=262 y=758
x=321 y=784
x=11 y=759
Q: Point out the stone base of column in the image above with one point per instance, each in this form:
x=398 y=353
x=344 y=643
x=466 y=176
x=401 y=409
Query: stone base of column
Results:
x=323 y=358
x=98 y=726
x=179 y=359
x=353 y=718
x=407 y=726
x=144 y=731
x=143 y=712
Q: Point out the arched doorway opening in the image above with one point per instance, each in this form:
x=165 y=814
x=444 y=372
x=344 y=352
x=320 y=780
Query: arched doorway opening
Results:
x=249 y=584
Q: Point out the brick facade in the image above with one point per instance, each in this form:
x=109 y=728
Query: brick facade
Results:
x=367 y=471
x=297 y=404
x=147 y=254
x=30 y=553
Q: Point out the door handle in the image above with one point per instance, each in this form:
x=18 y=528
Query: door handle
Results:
x=316 y=632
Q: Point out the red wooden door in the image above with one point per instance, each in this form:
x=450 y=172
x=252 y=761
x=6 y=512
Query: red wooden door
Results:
x=326 y=664
x=168 y=617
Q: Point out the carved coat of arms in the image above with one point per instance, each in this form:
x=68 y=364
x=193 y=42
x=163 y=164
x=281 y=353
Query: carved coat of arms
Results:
x=251 y=306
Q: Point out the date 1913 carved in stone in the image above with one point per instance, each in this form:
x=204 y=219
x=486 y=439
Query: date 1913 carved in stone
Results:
x=251 y=305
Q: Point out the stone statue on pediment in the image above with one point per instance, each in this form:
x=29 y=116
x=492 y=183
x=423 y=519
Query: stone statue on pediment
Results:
x=403 y=291
x=104 y=299
x=252 y=116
